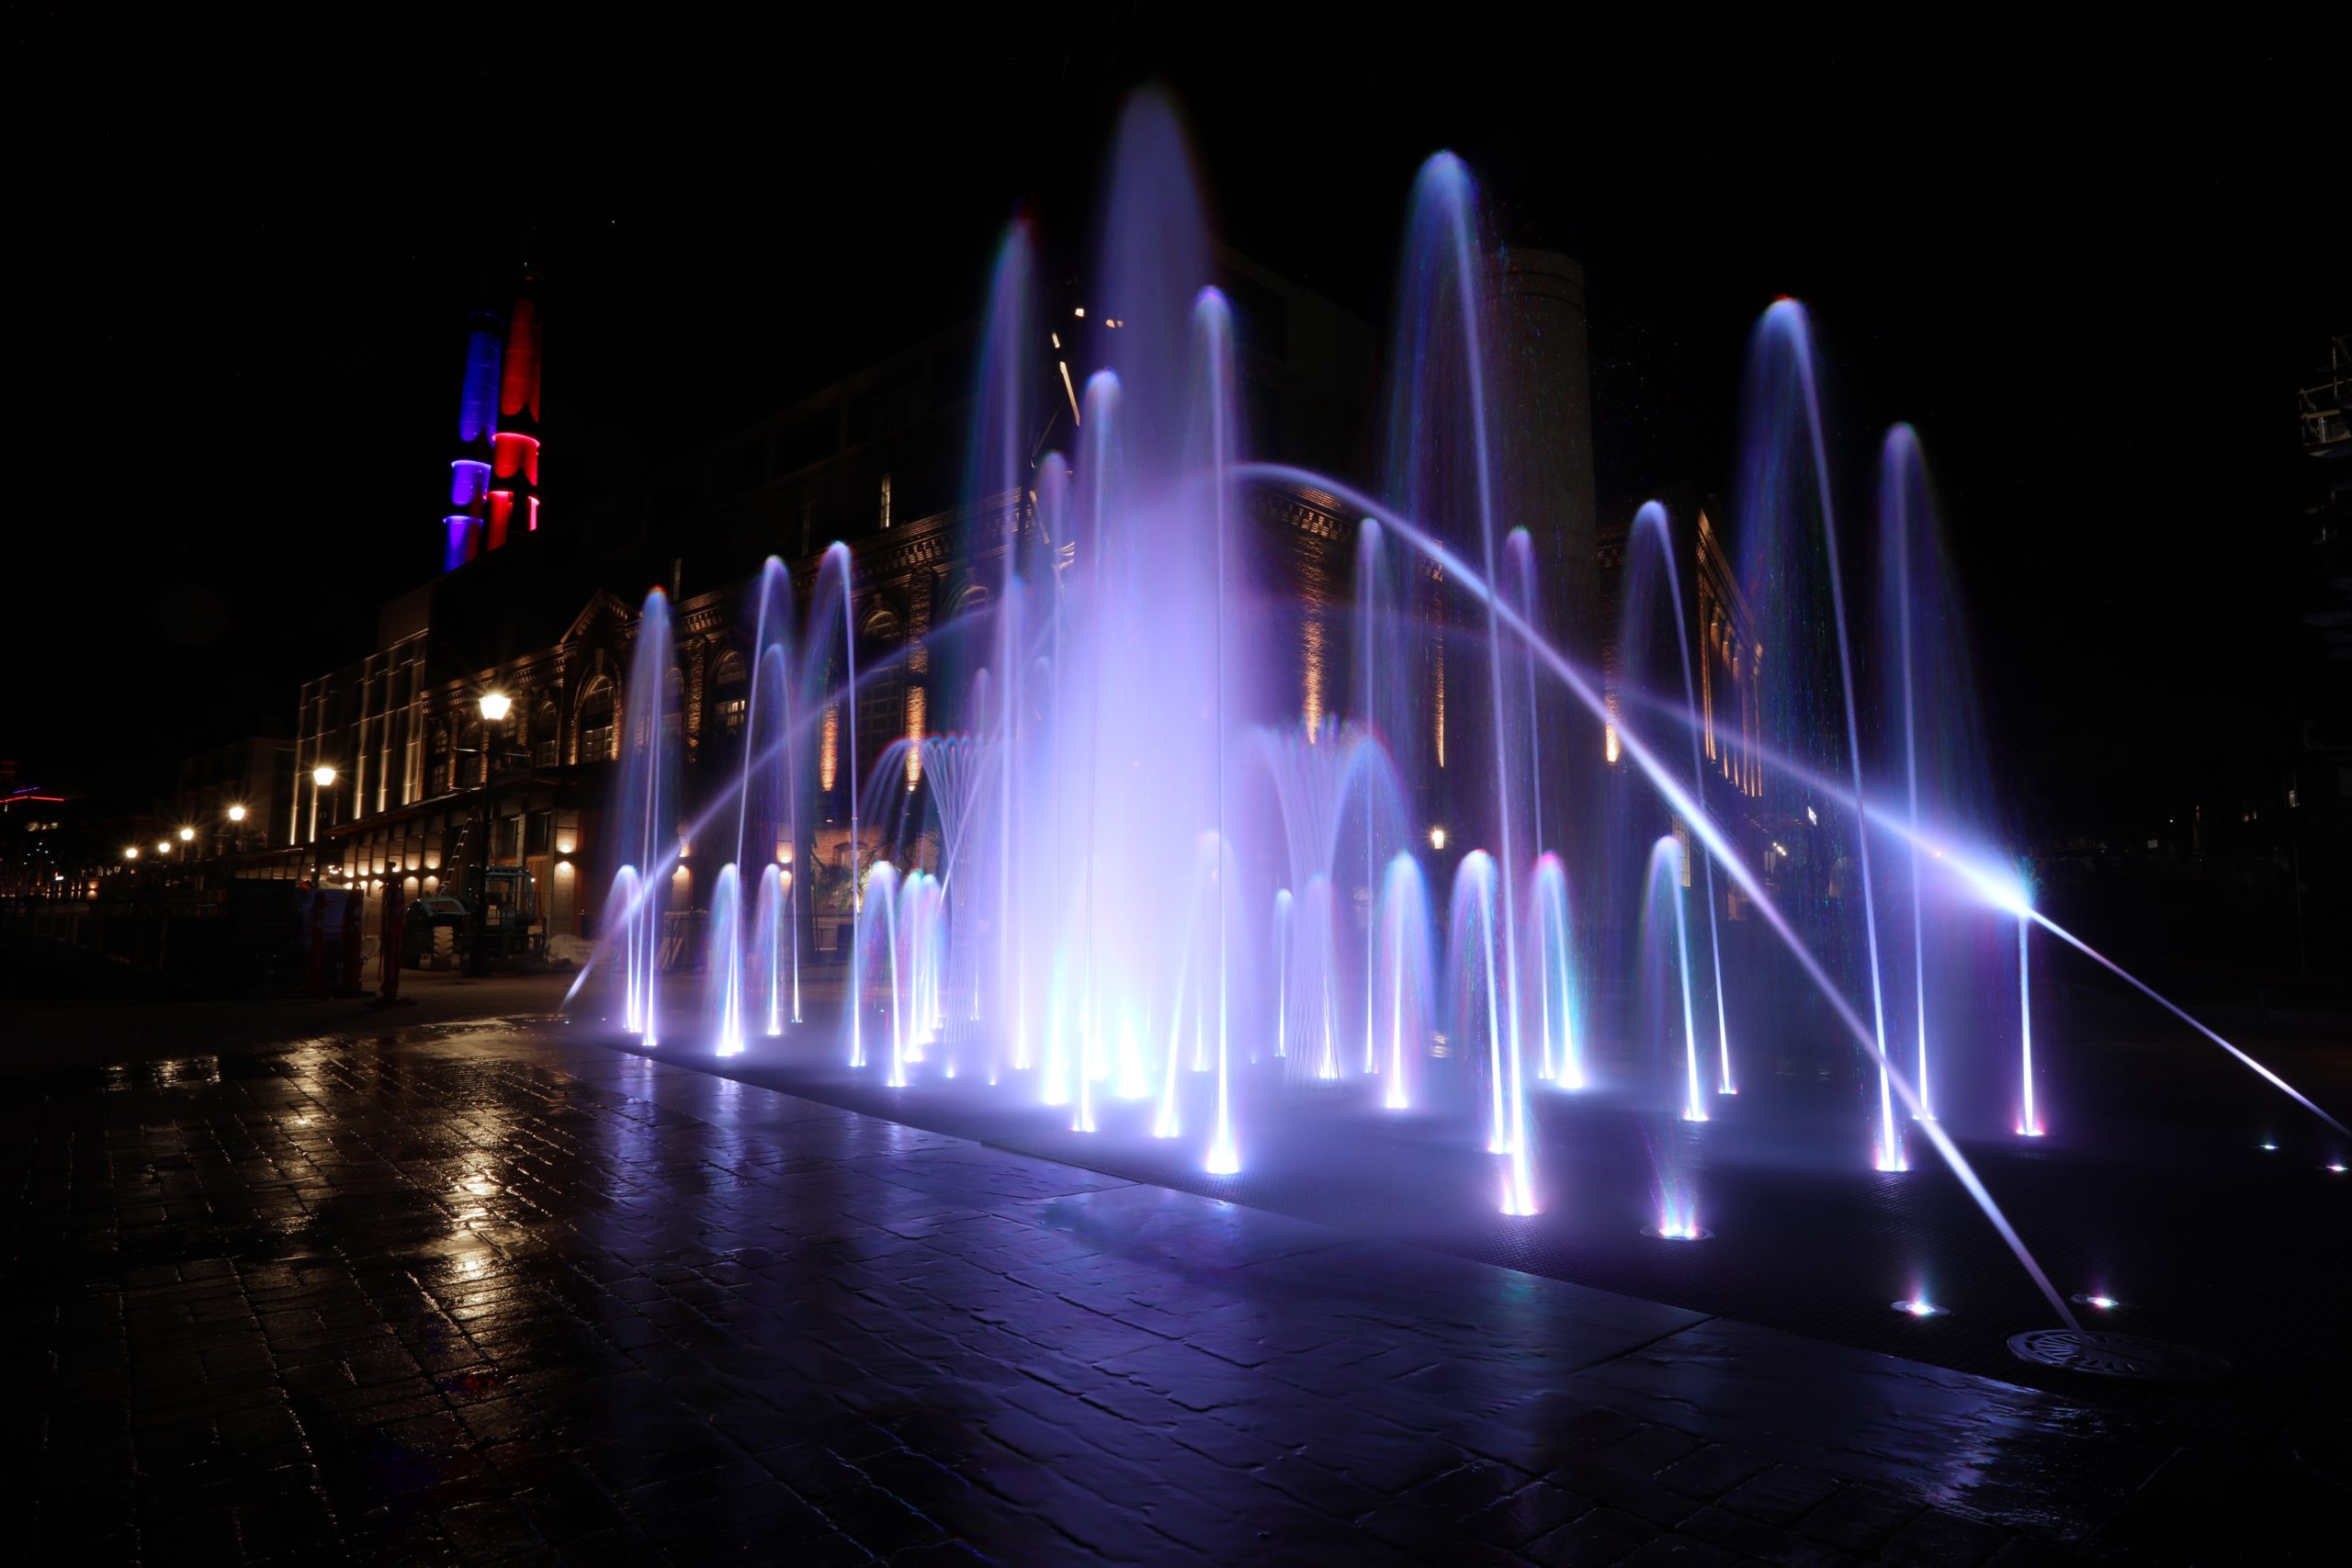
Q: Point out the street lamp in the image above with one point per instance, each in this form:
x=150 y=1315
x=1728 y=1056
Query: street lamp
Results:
x=236 y=814
x=130 y=852
x=495 y=706
x=322 y=775
x=188 y=835
x=163 y=846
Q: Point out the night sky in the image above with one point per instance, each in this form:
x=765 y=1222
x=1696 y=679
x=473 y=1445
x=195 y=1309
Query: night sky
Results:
x=2093 y=283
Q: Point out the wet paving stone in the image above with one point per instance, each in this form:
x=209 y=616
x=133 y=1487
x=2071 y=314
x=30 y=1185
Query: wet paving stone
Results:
x=487 y=1295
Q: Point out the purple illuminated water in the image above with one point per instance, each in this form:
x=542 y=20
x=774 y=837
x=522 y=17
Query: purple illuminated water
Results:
x=1180 y=853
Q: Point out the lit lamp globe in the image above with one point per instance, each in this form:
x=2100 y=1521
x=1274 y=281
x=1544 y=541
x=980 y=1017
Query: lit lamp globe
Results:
x=495 y=706
x=322 y=775
x=130 y=852
x=163 y=846
x=236 y=814
x=188 y=835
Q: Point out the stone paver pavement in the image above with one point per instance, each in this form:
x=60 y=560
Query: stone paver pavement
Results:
x=474 y=1294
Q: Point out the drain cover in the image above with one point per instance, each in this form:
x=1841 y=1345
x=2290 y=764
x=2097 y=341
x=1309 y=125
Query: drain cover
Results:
x=2106 y=1355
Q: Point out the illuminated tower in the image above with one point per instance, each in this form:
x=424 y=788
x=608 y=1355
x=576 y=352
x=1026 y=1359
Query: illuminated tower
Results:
x=514 y=458
x=494 y=479
x=470 y=471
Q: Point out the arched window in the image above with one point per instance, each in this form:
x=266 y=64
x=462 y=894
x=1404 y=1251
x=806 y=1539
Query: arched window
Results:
x=443 y=783
x=673 y=706
x=882 y=687
x=547 y=735
x=730 y=697
x=599 y=734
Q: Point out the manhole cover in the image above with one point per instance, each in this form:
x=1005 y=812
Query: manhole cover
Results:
x=2107 y=1355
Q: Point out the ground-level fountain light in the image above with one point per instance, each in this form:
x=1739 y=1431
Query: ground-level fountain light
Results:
x=2104 y=1303
x=1676 y=1230
x=1918 y=1306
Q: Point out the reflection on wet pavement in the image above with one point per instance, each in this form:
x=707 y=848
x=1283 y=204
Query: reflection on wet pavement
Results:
x=479 y=1295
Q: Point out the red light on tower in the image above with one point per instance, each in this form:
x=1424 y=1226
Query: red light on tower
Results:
x=518 y=391
x=516 y=448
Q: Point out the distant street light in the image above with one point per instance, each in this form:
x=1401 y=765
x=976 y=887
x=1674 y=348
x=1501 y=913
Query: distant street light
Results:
x=494 y=706
x=188 y=835
x=236 y=814
x=322 y=775
x=163 y=846
x=130 y=852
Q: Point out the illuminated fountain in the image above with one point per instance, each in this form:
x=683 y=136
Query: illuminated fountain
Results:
x=1179 y=857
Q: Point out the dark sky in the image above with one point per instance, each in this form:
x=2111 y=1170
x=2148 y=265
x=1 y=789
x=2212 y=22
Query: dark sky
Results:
x=2091 y=281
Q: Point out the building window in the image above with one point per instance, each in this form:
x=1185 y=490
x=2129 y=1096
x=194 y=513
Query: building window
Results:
x=597 y=731
x=441 y=781
x=731 y=696
x=885 y=500
x=476 y=752
x=673 y=706
x=546 y=737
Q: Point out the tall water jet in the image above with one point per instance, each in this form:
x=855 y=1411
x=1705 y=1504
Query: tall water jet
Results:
x=1652 y=575
x=646 y=824
x=1480 y=938
x=1664 y=1021
x=622 y=903
x=1936 y=764
x=1284 y=943
x=1789 y=536
x=1408 y=1013
x=2029 y=1120
x=769 y=919
x=876 y=937
x=1549 y=946
x=724 y=964
x=1446 y=187
x=834 y=578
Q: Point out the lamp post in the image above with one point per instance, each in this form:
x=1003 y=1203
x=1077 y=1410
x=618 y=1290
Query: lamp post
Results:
x=495 y=706
x=323 y=779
